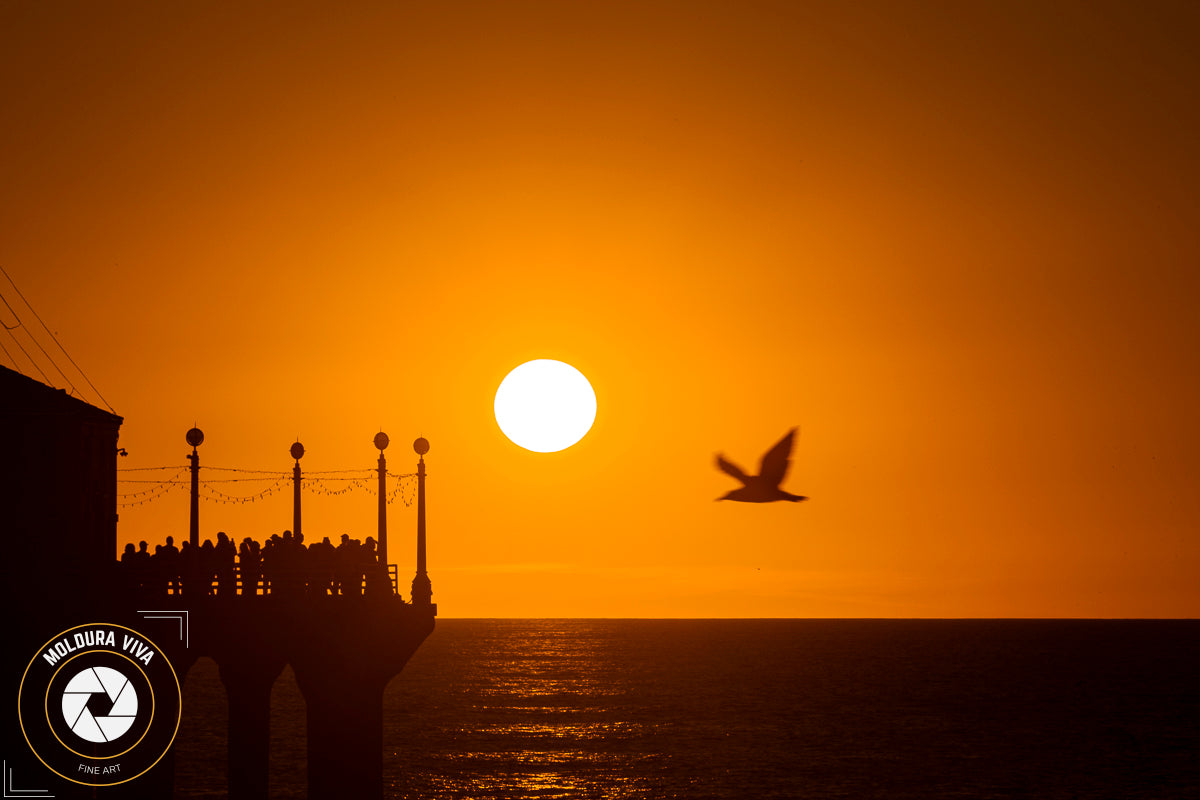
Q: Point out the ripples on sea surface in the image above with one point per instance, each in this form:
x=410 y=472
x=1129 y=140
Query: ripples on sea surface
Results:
x=764 y=709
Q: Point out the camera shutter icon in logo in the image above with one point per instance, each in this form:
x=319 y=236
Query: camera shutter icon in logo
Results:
x=99 y=704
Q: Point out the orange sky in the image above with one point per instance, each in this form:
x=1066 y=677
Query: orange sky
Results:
x=956 y=243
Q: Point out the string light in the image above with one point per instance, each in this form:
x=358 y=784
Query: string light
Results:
x=168 y=481
x=222 y=497
x=249 y=471
x=147 y=469
x=148 y=496
x=152 y=493
x=316 y=482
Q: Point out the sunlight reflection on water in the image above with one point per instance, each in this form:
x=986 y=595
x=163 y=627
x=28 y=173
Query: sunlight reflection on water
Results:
x=723 y=710
x=539 y=716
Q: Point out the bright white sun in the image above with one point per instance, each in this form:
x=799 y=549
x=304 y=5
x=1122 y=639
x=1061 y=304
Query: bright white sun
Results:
x=545 y=406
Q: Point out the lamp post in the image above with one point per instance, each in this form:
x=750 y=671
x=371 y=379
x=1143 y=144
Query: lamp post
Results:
x=422 y=589
x=381 y=441
x=297 y=451
x=195 y=437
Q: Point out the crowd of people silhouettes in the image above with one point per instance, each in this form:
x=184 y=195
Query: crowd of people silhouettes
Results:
x=282 y=566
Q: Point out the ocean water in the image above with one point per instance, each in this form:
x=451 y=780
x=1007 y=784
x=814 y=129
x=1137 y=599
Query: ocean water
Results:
x=763 y=709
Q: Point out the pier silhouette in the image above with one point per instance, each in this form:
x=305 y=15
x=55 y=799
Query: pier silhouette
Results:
x=334 y=613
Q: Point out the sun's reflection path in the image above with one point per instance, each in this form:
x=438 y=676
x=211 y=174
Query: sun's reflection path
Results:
x=543 y=714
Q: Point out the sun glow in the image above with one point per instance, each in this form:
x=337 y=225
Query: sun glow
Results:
x=545 y=406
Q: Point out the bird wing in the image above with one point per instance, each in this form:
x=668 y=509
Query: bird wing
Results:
x=775 y=463
x=731 y=469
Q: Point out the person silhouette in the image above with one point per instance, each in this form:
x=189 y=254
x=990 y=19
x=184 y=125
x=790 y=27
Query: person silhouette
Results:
x=129 y=566
x=208 y=567
x=159 y=575
x=271 y=563
x=250 y=563
x=142 y=565
x=172 y=566
x=288 y=568
x=343 y=565
x=321 y=564
x=374 y=571
x=224 y=555
x=193 y=572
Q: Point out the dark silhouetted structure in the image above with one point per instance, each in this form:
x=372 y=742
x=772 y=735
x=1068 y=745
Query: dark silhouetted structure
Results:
x=332 y=614
x=58 y=484
x=58 y=529
x=58 y=481
x=763 y=487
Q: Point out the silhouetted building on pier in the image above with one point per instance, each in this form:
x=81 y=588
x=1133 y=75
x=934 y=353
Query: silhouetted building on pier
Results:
x=58 y=481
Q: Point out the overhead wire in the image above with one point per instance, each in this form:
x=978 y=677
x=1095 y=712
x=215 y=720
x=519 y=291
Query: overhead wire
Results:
x=55 y=340
x=10 y=358
x=17 y=342
x=21 y=324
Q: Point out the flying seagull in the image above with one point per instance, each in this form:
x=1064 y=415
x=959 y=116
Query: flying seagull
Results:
x=763 y=487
